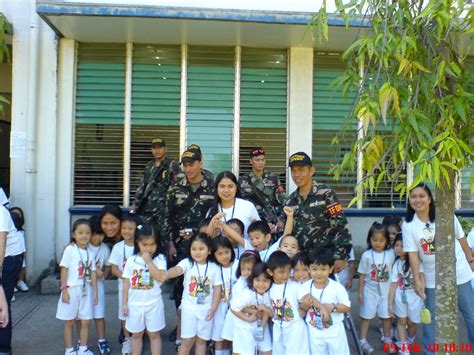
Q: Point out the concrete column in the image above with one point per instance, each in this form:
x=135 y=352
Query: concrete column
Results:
x=65 y=153
x=300 y=102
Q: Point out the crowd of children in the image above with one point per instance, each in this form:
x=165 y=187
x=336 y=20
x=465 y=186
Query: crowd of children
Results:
x=243 y=295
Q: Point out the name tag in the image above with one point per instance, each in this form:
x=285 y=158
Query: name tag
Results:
x=181 y=196
x=317 y=203
x=207 y=197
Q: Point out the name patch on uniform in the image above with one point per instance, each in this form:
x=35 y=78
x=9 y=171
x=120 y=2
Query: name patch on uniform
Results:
x=181 y=196
x=334 y=209
x=207 y=197
x=317 y=203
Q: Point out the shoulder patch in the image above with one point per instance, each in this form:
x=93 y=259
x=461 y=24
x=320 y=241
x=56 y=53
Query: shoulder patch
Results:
x=334 y=209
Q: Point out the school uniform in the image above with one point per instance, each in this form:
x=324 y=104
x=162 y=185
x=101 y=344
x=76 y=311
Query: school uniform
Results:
x=406 y=302
x=101 y=255
x=228 y=328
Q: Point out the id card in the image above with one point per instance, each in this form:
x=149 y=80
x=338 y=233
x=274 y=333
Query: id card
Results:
x=145 y=278
x=258 y=333
x=318 y=321
x=201 y=298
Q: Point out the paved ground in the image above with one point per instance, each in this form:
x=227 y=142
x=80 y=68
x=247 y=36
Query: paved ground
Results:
x=37 y=331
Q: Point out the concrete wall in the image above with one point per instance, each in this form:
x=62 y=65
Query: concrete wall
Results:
x=33 y=175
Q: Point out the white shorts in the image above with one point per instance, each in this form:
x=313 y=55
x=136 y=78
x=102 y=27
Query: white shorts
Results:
x=99 y=308
x=335 y=344
x=194 y=323
x=373 y=305
x=150 y=317
x=79 y=307
x=228 y=329
x=246 y=343
x=292 y=339
x=411 y=309
x=218 y=321
x=121 y=316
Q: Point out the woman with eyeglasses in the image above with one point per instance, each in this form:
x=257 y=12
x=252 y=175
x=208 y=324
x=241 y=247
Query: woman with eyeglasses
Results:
x=418 y=232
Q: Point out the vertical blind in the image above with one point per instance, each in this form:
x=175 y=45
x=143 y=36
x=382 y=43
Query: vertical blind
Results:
x=210 y=104
x=98 y=143
x=263 y=107
x=156 y=90
x=330 y=109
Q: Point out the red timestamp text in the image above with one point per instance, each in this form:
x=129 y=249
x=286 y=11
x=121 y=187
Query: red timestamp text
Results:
x=452 y=347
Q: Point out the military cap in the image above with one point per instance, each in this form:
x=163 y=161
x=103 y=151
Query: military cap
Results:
x=300 y=159
x=160 y=142
x=190 y=156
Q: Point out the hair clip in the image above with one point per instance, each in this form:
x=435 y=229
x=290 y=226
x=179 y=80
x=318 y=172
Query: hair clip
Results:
x=139 y=227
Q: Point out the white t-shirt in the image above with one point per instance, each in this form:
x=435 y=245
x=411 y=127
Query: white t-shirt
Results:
x=377 y=267
x=334 y=292
x=403 y=279
x=417 y=236
x=247 y=298
x=265 y=253
x=245 y=211
x=144 y=289
x=119 y=255
x=3 y=198
x=228 y=279
x=199 y=281
x=101 y=255
x=239 y=249
x=79 y=264
x=285 y=302
x=15 y=245
x=240 y=285
x=343 y=275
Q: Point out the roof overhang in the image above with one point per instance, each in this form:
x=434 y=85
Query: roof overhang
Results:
x=87 y=22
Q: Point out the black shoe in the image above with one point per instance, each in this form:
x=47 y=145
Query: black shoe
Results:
x=121 y=337
x=173 y=335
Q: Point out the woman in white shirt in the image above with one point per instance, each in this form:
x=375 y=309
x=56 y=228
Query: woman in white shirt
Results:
x=228 y=201
x=418 y=240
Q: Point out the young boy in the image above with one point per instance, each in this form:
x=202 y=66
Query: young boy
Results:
x=290 y=335
x=260 y=235
x=118 y=258
x=329 y=301
x=289 y=245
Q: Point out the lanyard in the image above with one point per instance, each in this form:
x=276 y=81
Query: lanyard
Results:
x=201 y=284
x=139 y=263
x=265 y=259
x=84 y=264
x=97 y=256
x=377 y=270
x=233 y=210
x=322 y=292
x=282 y=307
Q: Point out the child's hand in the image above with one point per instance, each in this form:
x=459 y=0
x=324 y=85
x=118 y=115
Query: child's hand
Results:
x=306 y=302
x=218 y=221
x=361 y=298
x=252 y=317
x=162 y=277
x=390 y=310
x=99 y=273
x=65 y=296
x=96 y=299
x=210 y=314
x=288 y=211
x=147 y=257
x=325 y=313
x=348 y=284
x=125 y=310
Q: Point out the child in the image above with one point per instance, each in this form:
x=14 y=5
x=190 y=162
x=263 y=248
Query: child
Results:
x=403 y=300
x=393 y=223
x=18 y=218
x=289 y=329
x=142 y=301
x=78 y=286
x=289 y=245
x=100 y=255
x=246 y=262
x=201 y=295
x=346 y=275
x=300 y=269
x=260 y=235
x=250 y=329
x=328 y=301
x=223 y=255
x=118 y=258
x=374 y=283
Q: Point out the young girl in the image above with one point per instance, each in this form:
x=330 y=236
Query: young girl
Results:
x=100 y=254
x=142 y=301
x=300 y=269
x=78 y=286
x=403 y=300
x=201 y=295
x=223 y=255
x=374 y=283
x=250 y=328
x=118 y=257
x=246 y=262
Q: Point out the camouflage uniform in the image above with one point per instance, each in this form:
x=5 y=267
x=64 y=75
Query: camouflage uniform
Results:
x=186 y=208
x=150 y=196
x=319 y=221
x=266 y=193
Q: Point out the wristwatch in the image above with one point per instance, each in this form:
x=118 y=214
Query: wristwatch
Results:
x=334 y=309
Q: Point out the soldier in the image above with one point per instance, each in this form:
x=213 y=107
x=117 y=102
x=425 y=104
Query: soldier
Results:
x=158 y=176
x=187 y=202
x=264 y=189
x=207 y=173
x=319 y=220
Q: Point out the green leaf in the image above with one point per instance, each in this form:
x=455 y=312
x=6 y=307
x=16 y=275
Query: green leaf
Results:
x=458 y=106
x=420 y=67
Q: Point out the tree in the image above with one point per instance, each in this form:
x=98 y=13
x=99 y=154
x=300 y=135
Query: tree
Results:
x=414 y=110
